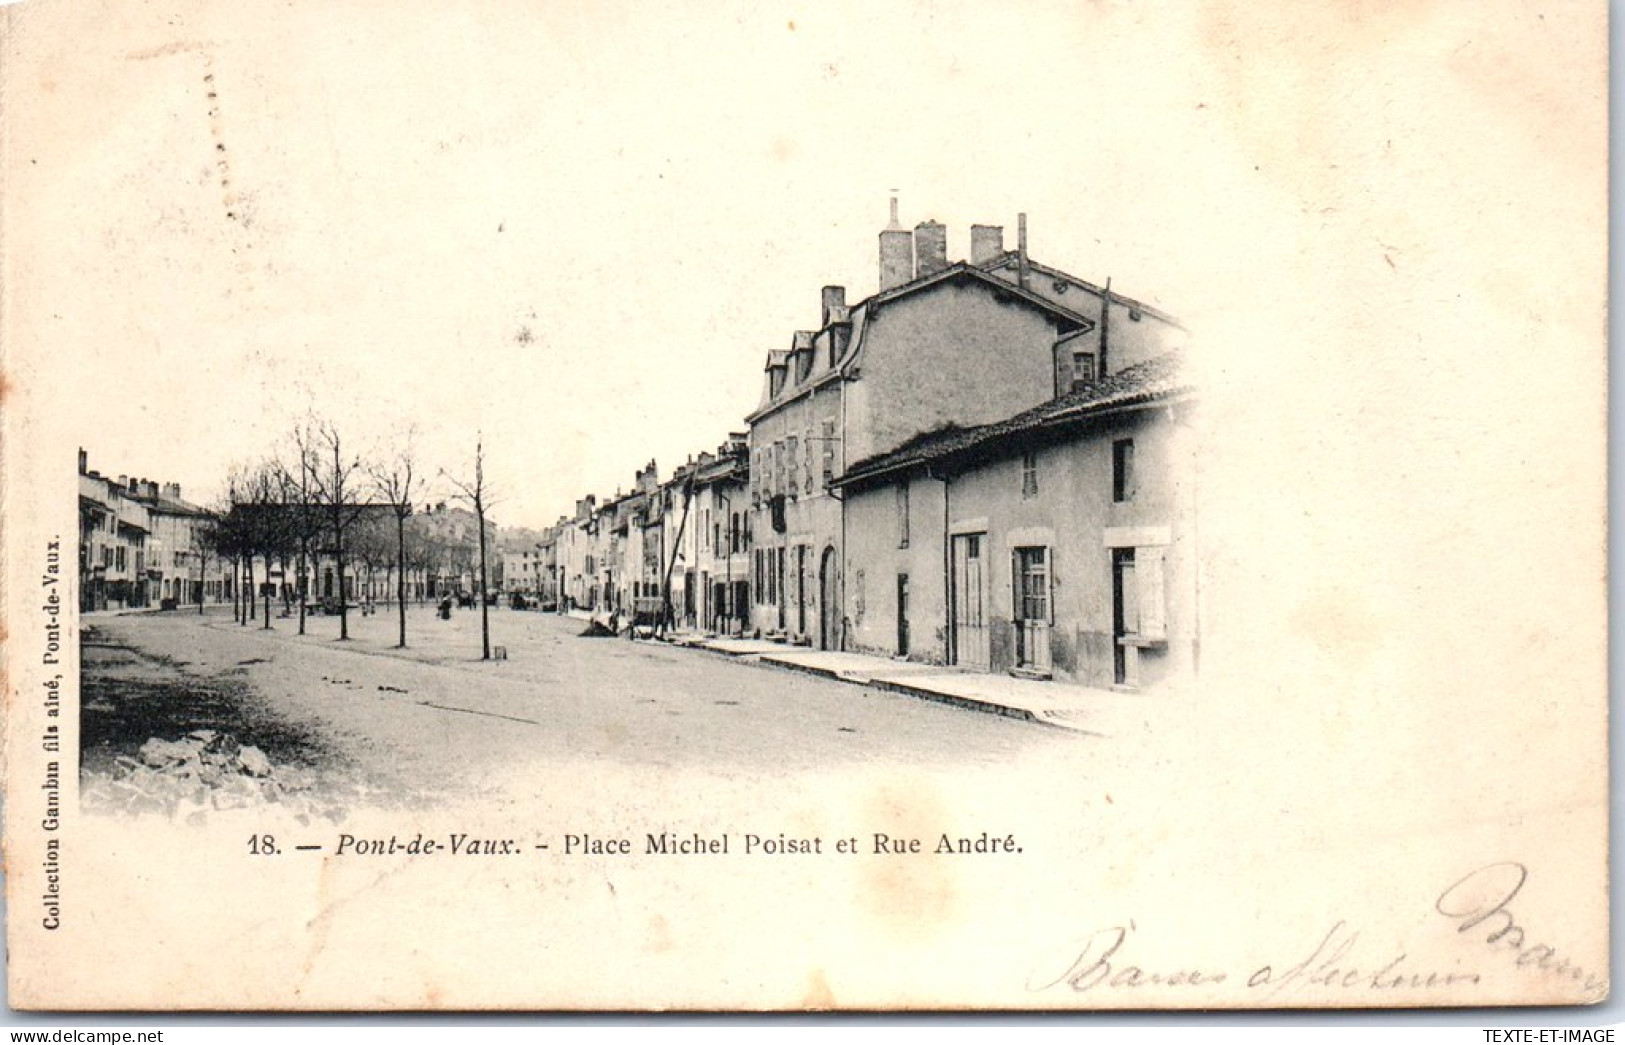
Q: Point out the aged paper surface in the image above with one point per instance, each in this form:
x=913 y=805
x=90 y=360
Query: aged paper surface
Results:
x=580 y=230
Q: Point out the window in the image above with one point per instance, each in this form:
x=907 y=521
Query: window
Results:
x=1032 y=584
x=829 y=452
x=902 y=514
x=1083 y=369
x=1123 y=470
x=1029 y=474
x=1034 y=606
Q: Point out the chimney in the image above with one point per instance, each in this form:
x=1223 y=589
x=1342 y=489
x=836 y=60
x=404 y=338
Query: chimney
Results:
x=930 y=248
x=1021 y=250
x=896 y=253
x=833 y=299
x=84 y=461
x=124 y=480
x=986 y=243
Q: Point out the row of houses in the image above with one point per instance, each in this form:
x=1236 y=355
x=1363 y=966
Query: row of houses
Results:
x=142 y=545
x=987 y=463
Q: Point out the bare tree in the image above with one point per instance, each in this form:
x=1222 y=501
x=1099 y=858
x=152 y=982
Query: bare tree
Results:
x=420 y=553
x=398 y=485
x=373 y=547
x=299 y=492
x=205 y=545
x=254 y=529
x=336 y=481
x=477 y=497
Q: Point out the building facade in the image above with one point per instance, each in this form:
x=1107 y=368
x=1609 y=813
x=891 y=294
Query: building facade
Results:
x=940 y=346
x=1058 y=543
x=142 y=545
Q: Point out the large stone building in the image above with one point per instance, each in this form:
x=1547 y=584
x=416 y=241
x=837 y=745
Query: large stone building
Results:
x=940 y=344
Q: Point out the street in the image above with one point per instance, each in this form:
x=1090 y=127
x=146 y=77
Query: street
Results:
x=434 y=719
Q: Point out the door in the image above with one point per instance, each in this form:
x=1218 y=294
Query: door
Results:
x=902 y=614
x=1032 y=604
x=1125 y=618
x=778 y=571
x=801 y=589
x=969 y=596
x=827 y=621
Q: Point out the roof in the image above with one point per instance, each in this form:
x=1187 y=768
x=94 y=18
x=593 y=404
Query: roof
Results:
x=1011 y=258
x=169 y=506
x=1155 y=379
x=845 y=366
x=722 y=469
x=979 y=273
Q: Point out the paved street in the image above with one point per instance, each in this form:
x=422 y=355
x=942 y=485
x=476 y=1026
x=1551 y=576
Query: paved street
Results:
x=434 y=717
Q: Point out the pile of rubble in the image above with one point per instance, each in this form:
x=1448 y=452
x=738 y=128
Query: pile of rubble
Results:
x=202 y=772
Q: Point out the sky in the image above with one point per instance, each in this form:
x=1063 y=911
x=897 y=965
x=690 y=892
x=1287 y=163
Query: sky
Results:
x=574 y=230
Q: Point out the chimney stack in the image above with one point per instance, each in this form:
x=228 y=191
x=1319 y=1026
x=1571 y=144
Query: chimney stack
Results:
x=832 y=299
x=896 y=253
x=930 y=248
x=1022 y=274
x=84 y=461
x=986 y=243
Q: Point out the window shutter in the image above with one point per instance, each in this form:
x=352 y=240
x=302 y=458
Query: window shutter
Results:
x=1148 y=563
x=1049 y=585
x=1018 y=586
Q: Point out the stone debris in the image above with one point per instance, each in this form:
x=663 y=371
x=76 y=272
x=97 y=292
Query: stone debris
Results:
x=208 y=771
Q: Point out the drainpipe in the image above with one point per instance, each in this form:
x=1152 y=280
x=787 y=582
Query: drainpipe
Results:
x=947 y=564
x=840 y=554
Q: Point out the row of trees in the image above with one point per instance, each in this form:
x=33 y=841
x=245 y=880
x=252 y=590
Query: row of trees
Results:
x=318 y=502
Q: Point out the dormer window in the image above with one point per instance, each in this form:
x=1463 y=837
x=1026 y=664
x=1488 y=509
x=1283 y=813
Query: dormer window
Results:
x=1083 y=369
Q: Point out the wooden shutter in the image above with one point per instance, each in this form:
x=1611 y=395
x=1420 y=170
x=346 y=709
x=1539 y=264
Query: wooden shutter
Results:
x=1148 y=567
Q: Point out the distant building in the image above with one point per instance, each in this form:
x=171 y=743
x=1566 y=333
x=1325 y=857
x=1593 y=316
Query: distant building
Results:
x=141 y=545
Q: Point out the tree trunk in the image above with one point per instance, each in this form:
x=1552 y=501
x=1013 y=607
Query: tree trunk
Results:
x=485 y=610
x=400 y=576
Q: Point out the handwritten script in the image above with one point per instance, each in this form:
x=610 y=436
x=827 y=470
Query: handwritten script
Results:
x=1336 y=964
x=1482 y=901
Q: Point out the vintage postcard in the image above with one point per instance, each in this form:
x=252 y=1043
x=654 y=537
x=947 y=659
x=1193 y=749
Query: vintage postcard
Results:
x=756 y=506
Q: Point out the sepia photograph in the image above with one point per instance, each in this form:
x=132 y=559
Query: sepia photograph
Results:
x=755 y=508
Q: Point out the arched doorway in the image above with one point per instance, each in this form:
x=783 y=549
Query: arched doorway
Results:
x=829 y=603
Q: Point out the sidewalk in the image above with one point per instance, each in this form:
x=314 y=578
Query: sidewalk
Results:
x=1078 y=708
